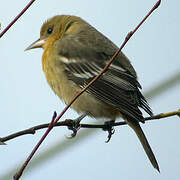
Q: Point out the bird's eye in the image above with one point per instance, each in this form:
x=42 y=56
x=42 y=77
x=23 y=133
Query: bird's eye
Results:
x=50 y=30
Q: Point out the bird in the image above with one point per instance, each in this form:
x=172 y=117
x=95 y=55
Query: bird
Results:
x=74 y=53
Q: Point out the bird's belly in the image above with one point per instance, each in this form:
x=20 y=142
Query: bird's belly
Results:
x=67 y=90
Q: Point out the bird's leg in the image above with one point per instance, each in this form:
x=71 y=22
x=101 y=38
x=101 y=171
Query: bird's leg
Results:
x=109 y=128
x=75 y=125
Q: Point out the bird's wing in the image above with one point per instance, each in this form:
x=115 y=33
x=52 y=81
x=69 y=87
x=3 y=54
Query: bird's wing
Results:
x=117 y=86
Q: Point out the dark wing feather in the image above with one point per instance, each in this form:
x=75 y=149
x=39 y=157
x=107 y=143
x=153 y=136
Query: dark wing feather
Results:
x=117 y=86
x=114 y=91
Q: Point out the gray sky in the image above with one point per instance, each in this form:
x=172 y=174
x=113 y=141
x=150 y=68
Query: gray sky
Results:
x=27 y=100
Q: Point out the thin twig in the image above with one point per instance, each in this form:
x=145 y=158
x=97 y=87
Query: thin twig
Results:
x=50 y=127
x=67 y=123
x=19 y=173
x=16 y=18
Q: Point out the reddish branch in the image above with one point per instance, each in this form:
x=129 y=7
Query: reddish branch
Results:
x=16 y=18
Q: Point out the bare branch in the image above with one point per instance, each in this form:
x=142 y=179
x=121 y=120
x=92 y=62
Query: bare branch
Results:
x=68 y=123
x=16 y=18
x=50 y=126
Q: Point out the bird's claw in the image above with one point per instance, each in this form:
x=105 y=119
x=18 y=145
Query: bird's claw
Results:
x=110 y=133
x=74 y=126
x=110 y=129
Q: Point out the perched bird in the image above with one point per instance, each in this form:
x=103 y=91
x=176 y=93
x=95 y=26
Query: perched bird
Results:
x=74 y=53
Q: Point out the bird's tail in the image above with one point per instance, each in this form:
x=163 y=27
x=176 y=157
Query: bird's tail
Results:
x=137 y=128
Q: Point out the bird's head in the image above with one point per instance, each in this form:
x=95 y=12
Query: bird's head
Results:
x=54 y=29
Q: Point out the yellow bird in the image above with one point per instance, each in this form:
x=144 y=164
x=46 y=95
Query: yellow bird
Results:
x=74 y=53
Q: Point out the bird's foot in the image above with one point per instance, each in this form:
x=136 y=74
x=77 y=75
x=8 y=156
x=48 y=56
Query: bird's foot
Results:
x=74 y=125
x=109 y=128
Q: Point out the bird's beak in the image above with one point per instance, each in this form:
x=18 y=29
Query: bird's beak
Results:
x=37 y=44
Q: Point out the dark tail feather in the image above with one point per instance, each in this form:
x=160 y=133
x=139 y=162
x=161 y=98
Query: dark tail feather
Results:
x=144 y=104
x=137 y=128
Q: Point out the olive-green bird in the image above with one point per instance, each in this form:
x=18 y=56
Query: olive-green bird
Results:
x=74 y=53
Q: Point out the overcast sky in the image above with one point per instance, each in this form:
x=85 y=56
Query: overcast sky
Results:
x=27 y=100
